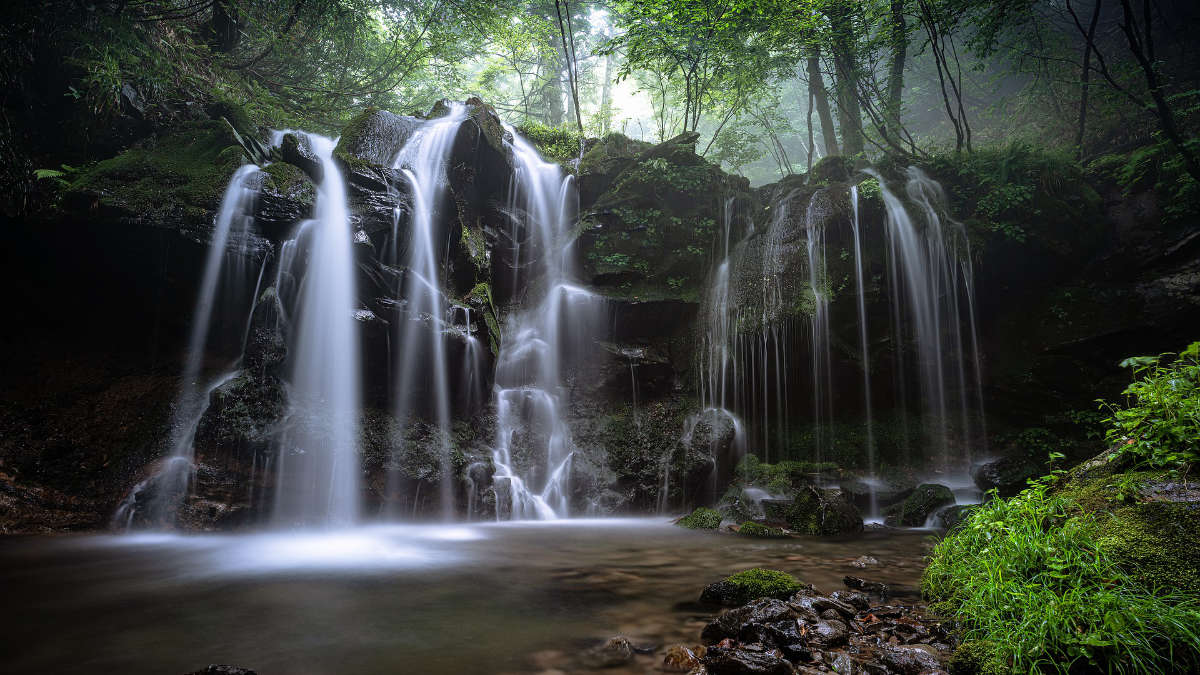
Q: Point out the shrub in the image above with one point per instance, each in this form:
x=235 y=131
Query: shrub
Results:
x=1159 y=423
x=1028 y=576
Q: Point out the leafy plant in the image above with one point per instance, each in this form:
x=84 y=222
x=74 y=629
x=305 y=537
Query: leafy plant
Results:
x=1026 y=576
x=1159 y=423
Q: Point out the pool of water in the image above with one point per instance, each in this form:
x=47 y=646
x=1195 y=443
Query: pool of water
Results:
x=464 y=598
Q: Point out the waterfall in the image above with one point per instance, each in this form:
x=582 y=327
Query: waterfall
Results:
x=318 y=465
x=171 y=481
x=820 y=353
x=873 y=505
x=423 y=162
x=719 y=358
x=552 y=328
x=931 y=272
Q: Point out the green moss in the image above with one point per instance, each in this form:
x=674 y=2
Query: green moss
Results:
x=289 y=179
x=913 y=511
x=183 y=171
x=701 y=519
x=762 y=583
x=1156 y=543
x=753 y=529
x=556 y=143
x=976 y=657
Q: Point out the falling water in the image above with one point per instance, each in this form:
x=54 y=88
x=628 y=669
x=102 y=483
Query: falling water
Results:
x=931 y=271
x=541 y=338
x=423 y=161
x=820 y=351
x=873 y=505
x=171 y=481
x=318 y=464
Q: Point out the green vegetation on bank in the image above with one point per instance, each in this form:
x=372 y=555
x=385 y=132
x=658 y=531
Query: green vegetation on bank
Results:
x=1094 y=569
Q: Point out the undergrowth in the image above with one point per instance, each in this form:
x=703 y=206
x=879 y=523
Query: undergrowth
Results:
x=1158 y=425
x=1025 y=576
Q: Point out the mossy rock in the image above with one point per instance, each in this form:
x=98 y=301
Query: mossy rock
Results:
x=753 y=529
x=831 y=169
x=751 y=584
x=701 y=519
x=175 y=179
x=374 y=136
x=956 y=515
x=976 y=657
x=816 y=511
x=922 y=503
x=1156 y=544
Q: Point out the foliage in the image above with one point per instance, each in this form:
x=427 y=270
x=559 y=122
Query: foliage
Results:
x=701 y=519
x=753 y=529
x=1028 y=576
x=781 y=476
x=557 y=143
x=1159 y=423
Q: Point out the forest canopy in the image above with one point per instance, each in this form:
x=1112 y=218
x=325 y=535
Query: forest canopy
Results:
x=771 y=86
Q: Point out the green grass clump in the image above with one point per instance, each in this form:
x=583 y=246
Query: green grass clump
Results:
x=1029 y=576
x=701 y=519
x=753 y=529
x=1159 y=423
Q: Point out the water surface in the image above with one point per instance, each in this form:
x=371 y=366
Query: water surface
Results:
x=467 y=598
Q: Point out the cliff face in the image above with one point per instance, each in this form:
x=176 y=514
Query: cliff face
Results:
x=105 y=280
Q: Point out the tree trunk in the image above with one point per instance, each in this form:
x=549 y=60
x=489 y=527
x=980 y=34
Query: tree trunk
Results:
x=606 y=97
x=899 y=40
x=845 y=66
x=1085 y=78
x=816 y=89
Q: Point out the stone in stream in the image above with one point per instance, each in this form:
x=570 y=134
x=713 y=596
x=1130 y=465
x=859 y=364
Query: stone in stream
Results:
x=616 y=651
x=863 y=562
x=922 y=503
x=746 y=661
x=218 y=669
x=682 y=658
x=868 y=587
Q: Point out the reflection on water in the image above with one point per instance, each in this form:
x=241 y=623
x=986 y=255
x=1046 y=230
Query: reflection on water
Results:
x=497 y=598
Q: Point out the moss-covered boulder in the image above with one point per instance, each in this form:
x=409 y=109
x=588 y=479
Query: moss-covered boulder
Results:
x=816 y=511
x=375 y=136
x=174 y=179
x=1007 y=476
x=751 y=584
x=650 y=233
x=701 y=519
x=286 y=196
x=922 y=503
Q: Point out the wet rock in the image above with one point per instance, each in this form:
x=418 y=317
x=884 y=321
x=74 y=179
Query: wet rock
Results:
x=828 y=634
x=868 y=587
x=922 y=503
x=376 y=136
x=1007 y=476
x=863 y=562
x=683 y=659
x=729 y=624
x=813 y=510
x=224 y=670
x=616 y=651
x=858 y=601
x=953 y=516
x=297 y=151
x=819 y=605
x=746 y=661
x=909 y=659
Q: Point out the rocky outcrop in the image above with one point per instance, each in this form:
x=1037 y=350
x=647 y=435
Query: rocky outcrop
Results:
x=914 y=511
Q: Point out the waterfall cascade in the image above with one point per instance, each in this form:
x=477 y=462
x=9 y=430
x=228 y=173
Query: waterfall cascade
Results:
x=549 y=331
x=318 y=461
x=224 y=278
x=423 y=161
x=927 y=265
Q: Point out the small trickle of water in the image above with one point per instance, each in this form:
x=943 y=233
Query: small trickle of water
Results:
x=170 y=483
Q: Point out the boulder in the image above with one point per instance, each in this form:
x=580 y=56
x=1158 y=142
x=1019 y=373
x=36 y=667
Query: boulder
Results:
x=296 y=150
x=819 y=511
x=744 y=661
x=749 y=585
x=922 y=503
x=1007 y=476
x=375 y=136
